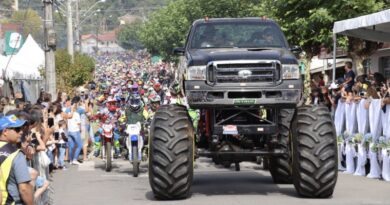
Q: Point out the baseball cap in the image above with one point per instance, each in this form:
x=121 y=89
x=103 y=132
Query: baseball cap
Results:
x=10 y=121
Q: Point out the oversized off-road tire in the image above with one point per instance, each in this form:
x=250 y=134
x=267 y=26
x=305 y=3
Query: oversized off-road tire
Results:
x=108 y=156
x=314 y=152
x=280 y=166
x=171 y=153
x=135 y=162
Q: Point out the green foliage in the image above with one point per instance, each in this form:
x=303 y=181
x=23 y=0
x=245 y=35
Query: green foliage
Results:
x=31 y=21
x=112 y=9
x=7 y=4
x=128 y=36
x=167 y=27
x=70 y=75
x=310 y=23
x=305 y=23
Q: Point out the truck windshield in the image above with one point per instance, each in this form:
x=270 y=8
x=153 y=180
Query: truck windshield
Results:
x=237 y=35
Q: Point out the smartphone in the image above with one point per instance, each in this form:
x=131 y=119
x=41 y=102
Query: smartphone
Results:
x=34 y=140
x=50 y=122
x=56 y=135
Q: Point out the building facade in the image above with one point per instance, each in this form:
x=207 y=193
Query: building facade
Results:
x=107 y=42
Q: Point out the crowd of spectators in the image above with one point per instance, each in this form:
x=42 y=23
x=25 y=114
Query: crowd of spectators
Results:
x=48 y=134
x=350 y=88
x=52 y=134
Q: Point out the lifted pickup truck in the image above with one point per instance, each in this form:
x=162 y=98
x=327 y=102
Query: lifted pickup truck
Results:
x=244 y=78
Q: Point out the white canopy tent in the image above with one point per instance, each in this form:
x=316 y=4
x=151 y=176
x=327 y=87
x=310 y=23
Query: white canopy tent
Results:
x=22 y=71
x=373 y=27
x=26 y=63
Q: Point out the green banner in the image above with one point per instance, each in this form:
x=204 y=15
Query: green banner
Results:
x=13 y=42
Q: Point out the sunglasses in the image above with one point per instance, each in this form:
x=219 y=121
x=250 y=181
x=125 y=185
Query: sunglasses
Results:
x=17 y=129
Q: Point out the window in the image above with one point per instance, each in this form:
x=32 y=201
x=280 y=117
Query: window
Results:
x=366 y=65
x=237 y=34
x=384 y=66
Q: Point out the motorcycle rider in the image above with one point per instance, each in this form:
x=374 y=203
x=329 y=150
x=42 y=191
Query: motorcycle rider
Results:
x=110 y=113
x=157 y=88
x=154 y=104
x=134 y=110
x=178 y=99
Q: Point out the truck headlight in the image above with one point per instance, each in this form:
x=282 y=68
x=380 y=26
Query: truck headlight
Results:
x=196 y=73
x=290 y=71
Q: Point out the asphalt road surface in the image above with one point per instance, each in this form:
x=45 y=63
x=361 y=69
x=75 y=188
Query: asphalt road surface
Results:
x=88 y=183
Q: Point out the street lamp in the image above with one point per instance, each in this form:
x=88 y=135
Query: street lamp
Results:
x=78 y=23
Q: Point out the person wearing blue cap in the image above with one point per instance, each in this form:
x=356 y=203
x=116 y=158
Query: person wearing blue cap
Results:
x=16 y=187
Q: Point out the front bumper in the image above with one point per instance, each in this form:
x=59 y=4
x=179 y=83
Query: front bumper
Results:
x=199 y=94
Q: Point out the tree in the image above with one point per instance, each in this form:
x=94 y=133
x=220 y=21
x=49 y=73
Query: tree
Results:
x=128 y=36
x=31 y=22
x=309 y=23
x=70 y=75
x=166 y=28
x=7 y=4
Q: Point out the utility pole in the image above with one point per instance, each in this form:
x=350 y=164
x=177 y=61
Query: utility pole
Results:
x=16 y=5
x=77 y=27
x=50 y=45
x=69 y=26
x=97 y=34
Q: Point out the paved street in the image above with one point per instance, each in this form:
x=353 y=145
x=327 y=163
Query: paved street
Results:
x=90 y=184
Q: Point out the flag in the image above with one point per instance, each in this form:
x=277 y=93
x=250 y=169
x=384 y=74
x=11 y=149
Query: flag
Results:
x=13 y=42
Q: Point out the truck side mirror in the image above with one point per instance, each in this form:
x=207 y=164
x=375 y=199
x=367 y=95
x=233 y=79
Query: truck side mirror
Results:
x=179 y=51
x=296 y=49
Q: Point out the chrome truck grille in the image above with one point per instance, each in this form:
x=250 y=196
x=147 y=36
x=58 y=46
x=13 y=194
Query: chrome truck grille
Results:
x=243 y=72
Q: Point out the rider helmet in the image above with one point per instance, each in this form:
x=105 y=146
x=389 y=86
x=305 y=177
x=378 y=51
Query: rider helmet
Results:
x=135 y=103
x=155 y=101
x=175 y=89
x=134 y=88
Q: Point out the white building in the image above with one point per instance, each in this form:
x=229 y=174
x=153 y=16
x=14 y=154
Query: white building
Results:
x=380 y=62
x=107 y=42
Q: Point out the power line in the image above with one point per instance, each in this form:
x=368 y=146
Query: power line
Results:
x=131 y=9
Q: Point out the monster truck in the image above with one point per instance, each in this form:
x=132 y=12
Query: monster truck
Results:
x=243 y=77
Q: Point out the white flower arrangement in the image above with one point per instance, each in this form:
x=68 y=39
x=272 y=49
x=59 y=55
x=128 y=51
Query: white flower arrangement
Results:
x=382 y=142
x=346 y=134
x=374 y=146
x=340 y=139
x=388 y=146
x=358 y=138
x=367 y=140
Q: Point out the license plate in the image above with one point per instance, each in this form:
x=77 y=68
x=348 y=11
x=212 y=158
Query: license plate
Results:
x=244 y=101
x=230 y=130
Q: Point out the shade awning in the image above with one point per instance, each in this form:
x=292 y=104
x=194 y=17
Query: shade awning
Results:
x=373 y=27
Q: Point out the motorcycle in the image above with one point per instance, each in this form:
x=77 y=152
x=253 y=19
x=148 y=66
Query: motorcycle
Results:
x=135 y=144
x=108 y=141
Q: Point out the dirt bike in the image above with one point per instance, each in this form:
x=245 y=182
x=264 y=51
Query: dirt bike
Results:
x=135 y=144
x=108 y=141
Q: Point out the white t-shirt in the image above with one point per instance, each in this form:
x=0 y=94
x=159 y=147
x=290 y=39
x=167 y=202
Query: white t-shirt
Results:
x=57 y=118
x=74 y=123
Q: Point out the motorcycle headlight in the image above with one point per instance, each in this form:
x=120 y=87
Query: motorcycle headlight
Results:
x=290 y=71
x=196 y=73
